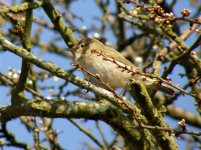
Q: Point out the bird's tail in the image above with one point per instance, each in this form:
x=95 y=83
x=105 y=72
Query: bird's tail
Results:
x=166 y=89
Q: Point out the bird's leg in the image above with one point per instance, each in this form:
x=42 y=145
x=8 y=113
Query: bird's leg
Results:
x=123 y=91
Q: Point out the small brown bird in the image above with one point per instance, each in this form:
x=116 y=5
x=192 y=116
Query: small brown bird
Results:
x=111 y=66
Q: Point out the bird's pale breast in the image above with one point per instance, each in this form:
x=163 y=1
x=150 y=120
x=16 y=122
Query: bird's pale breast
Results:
x=108 y=71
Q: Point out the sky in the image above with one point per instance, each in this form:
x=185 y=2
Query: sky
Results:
x=69 y=133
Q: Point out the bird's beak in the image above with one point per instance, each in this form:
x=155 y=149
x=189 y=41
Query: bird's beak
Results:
x=73 y=49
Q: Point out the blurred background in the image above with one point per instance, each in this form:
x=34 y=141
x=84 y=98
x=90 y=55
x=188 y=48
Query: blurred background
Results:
x=95 y=19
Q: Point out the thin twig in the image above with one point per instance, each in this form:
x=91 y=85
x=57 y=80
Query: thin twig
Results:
x=93 y=138
x=130 y=70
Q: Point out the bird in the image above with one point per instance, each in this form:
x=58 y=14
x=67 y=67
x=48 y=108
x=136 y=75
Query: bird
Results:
x=104 y=64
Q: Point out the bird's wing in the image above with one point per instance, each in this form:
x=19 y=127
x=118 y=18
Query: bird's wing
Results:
x=118 y=56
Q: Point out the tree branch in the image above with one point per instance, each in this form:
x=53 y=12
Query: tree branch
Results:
x=59 y=24
x=57 y=108
x=153 y=116
x=23 y=7
x=49 y=66
x=25 y=67
x=179 y=113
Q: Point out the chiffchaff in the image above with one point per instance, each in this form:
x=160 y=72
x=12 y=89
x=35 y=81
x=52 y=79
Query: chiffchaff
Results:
x=111 y=67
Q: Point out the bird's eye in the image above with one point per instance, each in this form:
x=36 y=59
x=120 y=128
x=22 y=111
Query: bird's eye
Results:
x=82 y=45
